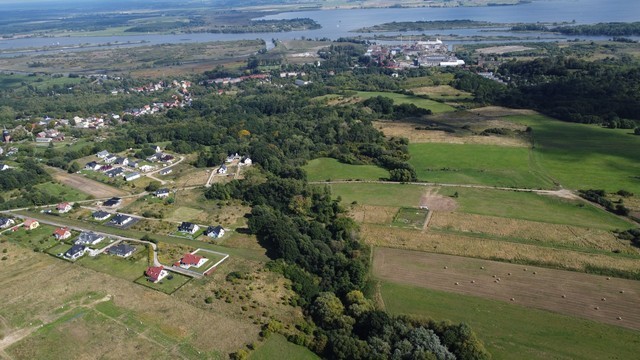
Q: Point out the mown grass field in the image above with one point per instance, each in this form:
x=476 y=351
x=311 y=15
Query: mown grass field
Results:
x=66 y=192
x=477 y=164
x=322 y=169
x=277 y=346
x=129 y=269
x=399 y=195
x=585 y=156
x=167 y=285
x=410 y=217
x=509 y=329
x=434 y=106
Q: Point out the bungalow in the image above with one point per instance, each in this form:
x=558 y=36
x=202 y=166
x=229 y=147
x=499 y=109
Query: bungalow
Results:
x=156 y=273
x=88 y=238
x=110 y=158
x=214 y=231
x=121 y=219
x=64 y=207
x=166 y=171
x=122 y=161
x=189 y=260
x=115 y=201
x=246 y=161
x=62 y=233
x=102 y=154
x=155 y=148
x=100 y=215
x=122 y=250
x=133 y=164
x=187 y=227
x=75 y=252
x=222 y=169
x=92 y=166
x=114 y=172
x=162 y=193
x=6 y=222
x=131 y=176
x=145 y=168
x=31 y=224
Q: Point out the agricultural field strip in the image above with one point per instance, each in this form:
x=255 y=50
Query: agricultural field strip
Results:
x=121 y=238
x=608 y=300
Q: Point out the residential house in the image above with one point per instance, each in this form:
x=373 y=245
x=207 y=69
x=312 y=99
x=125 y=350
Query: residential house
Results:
x=214 y=231
x=88 y=238
x=122 y=250
x=166 y=171
x=155 y=148
x=6 y=222
x=131 y=176
x=191 y=260
x=31 y=224
x=189 y=228
x=156 y=273
x=62 y=233
x=146 y=168
x=114 y=172
x=122 y=161
x=232 y=157
x=100 y=215
x=92 y=166
x=121 y=219
x=110 y=158
x=115 y=201
x=162 y=193
x=246 y=161
x=75 y=252
x=222 y=169
x=103 y=154
x=133 y=164
x=64 y=207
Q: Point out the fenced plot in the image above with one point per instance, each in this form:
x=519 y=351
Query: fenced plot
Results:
x=410 y=217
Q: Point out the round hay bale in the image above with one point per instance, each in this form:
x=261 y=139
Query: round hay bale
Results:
x=512 y=299
x=608 y=278
x=494 y=276
x=495 y=281
x=621 y=291
x=564 y=296
x=604 y=299
x=597 y=308
x=482 y=267
x=473 y=281
x=457 y=283
x=498 y=279
x=534 y=273
x=445 y=267
x=509 y=274
x=619 y=318
x=525 y=269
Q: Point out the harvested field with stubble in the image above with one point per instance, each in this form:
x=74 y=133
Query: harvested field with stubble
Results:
x=481 y=247
x=86 y=185
x=607 y=300
x=563 y=235
x=408 y=130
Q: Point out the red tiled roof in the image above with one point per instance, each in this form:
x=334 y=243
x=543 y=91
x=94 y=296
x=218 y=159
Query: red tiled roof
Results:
x=62 y=206
x=153 y=272
x=28 y=222
x=60 y=232
x=190 y=259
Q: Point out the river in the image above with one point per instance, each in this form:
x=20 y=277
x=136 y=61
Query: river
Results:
x=340 y=23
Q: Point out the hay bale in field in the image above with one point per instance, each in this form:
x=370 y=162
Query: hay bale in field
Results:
x=457 y=283
x=564 y=296
x=473 y=281
x=482 y=267
x=509 y=274
x=619 y=317
x=512 y=299
x=604 y=299
x=621 y=291
x=445 y=267
x=597 y=308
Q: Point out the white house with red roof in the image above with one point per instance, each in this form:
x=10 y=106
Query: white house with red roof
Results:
x=62 y=233
x=191 y=260
x=64 y=207
x=31 y=224
x=156 y=273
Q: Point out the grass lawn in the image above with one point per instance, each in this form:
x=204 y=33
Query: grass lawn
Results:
x=167 y=285
x=63 y=191
x=410 y=217
x=277 y=346
x=326 y=168
x=60 y=248
x=508 y=329
x=585 y=156
x=130 y=268
x=379 y=194
x=477 y=164
x=534 y=207
x=40 y=238
x=434 y=106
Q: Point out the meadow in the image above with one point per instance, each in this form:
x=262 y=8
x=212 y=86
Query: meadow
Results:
x=397 y=195
x=477 y=164
x=277 y=346
x=507 y=329
x=435 y=106
x=322 y=169
x=129 y=269
x=582 y=156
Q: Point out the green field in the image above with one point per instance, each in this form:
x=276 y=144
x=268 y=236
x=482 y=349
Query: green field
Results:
x=40 y=238
x=129 y=269
x=379 y=194
x=509 y=329
x=434 y=106
x=534 y=207
x=277 y=347
x=322 y=169
x=477 y=164
x=585 y=156
x=167 y=285
x=22 y=82
x=59 y=190
x=410 y=217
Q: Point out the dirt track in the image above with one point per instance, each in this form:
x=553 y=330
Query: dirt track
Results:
x=88 y=186
x=534 y=287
